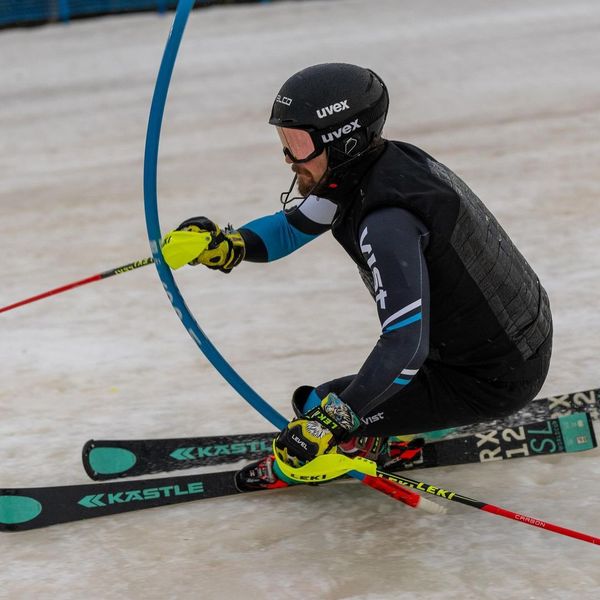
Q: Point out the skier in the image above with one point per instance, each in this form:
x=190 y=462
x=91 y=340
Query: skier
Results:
x=466 y=327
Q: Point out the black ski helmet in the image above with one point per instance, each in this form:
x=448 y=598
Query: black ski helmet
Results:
x=341 y=106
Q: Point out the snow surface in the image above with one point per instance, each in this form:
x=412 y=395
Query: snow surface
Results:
x=507 y=94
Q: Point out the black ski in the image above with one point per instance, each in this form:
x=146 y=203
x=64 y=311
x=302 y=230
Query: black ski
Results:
x=110 y=459
x=540 y=409
x=30 y=508
x=569 y=433
x=106 y=459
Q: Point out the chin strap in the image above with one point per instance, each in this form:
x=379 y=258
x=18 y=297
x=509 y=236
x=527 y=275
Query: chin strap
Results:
x=285 y=199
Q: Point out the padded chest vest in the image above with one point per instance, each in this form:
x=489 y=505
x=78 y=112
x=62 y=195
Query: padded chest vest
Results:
x=488 y=308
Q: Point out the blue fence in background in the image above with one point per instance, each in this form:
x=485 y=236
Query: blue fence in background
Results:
x=30 y=12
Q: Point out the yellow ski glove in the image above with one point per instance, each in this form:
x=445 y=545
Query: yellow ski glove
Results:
x=200 y=241
x=317 y=433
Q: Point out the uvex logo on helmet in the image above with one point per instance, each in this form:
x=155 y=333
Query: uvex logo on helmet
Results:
x=338 y=133
x=332 y=108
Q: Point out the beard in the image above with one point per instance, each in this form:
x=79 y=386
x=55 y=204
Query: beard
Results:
x=306 y=183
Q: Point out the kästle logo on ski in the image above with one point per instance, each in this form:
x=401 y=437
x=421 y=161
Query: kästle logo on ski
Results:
x=192 y=452
x=100 y=500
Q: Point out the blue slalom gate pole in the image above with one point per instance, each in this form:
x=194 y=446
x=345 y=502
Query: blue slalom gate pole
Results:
x=153 y=225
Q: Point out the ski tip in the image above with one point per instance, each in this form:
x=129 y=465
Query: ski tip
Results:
x=111 y=461
x=102 y=462
x=16 y=510
x=85 y=453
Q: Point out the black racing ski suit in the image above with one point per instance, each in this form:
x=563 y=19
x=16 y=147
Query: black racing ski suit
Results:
x=466 y=328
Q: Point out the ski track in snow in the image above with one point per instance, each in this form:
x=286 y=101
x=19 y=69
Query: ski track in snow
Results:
x=506 y=94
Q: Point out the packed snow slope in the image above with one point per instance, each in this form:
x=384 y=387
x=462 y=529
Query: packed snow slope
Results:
x=506 y=94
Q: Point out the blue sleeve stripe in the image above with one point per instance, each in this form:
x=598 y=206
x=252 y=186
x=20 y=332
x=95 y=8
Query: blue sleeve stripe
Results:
x=404 y=323
x=278 y=235
x=402 y=311
x=409 y=372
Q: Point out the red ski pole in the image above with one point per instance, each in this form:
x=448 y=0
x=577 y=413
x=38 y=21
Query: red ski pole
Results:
x=124 y=269
x=490 y=508
x=329 y=466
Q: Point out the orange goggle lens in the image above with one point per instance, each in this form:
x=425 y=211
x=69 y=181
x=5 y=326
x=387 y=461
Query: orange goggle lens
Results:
x=297 y=144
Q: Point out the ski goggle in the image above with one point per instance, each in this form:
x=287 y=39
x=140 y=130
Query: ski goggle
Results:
x=298 y=145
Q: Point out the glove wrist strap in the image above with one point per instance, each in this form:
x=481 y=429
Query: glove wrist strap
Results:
x=335 y=415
